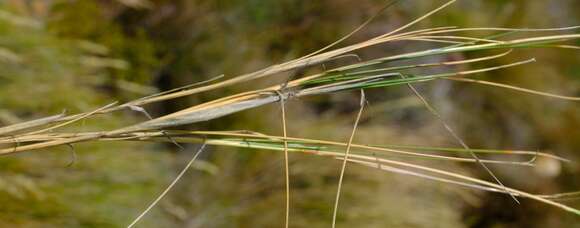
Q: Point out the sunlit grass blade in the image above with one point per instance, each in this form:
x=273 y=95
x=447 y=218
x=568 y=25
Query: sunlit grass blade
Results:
x=469 y=179
x=30 y=124
x=515 y=88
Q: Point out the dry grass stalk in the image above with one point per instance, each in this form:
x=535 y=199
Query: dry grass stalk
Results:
x=34 y=135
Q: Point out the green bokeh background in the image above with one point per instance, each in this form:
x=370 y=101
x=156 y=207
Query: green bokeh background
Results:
x=77 y=55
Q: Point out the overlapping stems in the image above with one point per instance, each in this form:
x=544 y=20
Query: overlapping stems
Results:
x=385 y=157
x=35 y=134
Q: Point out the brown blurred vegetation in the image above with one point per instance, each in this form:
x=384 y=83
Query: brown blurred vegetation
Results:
x=78 y=55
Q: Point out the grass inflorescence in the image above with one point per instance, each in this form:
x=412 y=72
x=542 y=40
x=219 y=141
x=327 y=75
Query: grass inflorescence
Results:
x=363 y=75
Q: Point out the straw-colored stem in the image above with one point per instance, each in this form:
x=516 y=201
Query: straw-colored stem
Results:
x=346 y=153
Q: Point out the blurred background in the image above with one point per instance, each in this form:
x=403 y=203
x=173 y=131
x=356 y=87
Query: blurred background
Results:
x=77 y=55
